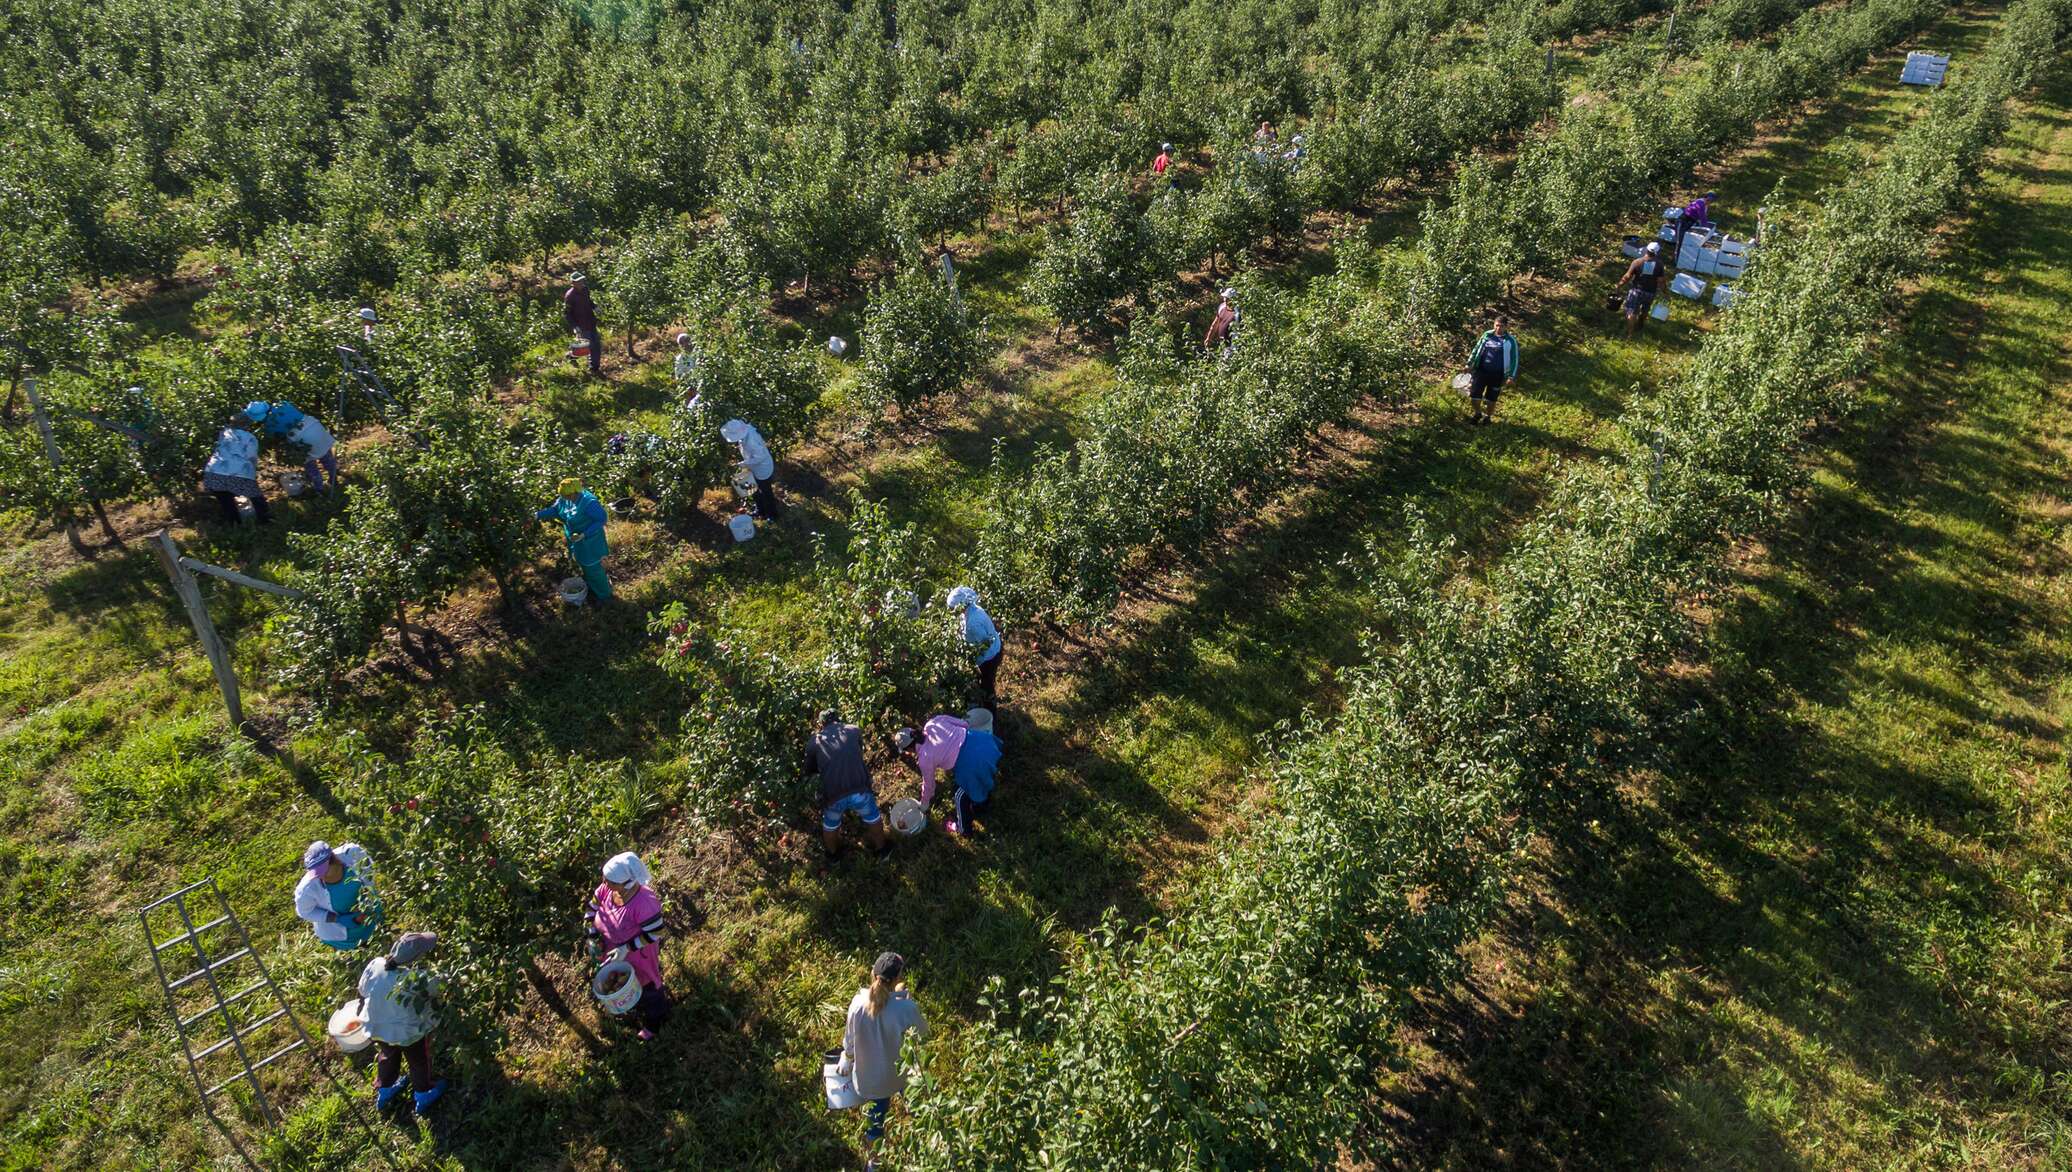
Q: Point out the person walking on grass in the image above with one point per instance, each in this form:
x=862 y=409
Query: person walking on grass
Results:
x=1642 y=281
x=755 y=456
x=1222 y=333
x=336 y=894
x=976 y=769
x=581 y=314
x=233 y=472
x=311 y=439
x=1492 y=363
x=979 y=632
x=625 y=918
x=582 y=522
x=835 y=753
x=881 y=1015
x=399 y=1003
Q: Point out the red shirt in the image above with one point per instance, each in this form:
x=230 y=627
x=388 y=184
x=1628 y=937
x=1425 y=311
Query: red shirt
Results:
x=1159 y=164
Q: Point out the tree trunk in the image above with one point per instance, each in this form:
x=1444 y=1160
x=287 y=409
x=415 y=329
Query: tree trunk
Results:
x=552 y=996
x=101 y=515
x=629 y=337
x=72 y=535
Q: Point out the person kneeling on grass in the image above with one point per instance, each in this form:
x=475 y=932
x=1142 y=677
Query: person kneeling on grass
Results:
x=836 y=754
x=335 y=895
x=582 y=522
x=626 y=917
x=398 y=1001
x=1492 y=363
x=977 y=767
x=880 y=1016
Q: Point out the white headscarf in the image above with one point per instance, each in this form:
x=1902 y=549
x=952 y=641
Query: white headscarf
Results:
x=961 y=597
x=734 y=430
x=626 y=867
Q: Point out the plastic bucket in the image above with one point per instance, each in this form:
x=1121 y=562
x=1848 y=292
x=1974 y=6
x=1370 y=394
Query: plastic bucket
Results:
x=908 y=817
x=294 y=484
x=742 y=526
x=574 y=591
x=580 y=348
x=1463 y=381
x=841 y=1089
x=616 y=987
x=348 y=1030
x=744 y=483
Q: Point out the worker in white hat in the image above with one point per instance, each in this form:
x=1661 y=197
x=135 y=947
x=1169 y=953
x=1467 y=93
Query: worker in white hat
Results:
x=755 y=456
x=979 y=632
x=399 y=1003
x=1642 y=281
x=1222 y=333
x=625 y=918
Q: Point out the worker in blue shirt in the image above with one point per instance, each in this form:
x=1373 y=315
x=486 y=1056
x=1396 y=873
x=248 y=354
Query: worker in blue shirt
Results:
x=979 y=632
x=582 y=522
x=1492 y=363
x=977 y=767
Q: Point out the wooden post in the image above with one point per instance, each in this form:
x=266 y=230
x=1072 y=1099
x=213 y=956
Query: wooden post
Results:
x=189 y=591
x=57 y=463
x=1550 y=63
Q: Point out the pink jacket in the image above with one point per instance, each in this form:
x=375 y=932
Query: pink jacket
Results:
x=639 y=919
x=941 y=737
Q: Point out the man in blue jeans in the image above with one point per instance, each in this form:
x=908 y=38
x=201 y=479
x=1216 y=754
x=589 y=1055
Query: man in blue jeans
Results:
x=836 y=754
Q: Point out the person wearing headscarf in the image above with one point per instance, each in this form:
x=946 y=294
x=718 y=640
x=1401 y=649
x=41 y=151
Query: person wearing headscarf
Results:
x=233 y=471
x=978 y=763
x=399 y=1002
x=582 y=522
x=979 y=632
x=931 y=749
x=755 y=456
x=284 y=421
x=1222 y=333
x=686 y=369
x=336 y=894
x=625 y=922
x=880 y=1016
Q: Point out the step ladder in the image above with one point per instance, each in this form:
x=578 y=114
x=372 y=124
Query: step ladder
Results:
x=255 y=1019
x=355 y=374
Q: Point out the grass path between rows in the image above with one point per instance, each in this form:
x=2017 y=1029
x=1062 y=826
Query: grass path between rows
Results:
x=1829 y=927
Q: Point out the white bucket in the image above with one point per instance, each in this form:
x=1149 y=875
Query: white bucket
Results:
x=294 y=484
x=246 y=513
x=837 y=347
x=574 y=591
x=616 y=987
x=348 y=1030
x=841 y=1088
x=742 y=526
x=1463 y=381
x=908 y=817
x=744 y=483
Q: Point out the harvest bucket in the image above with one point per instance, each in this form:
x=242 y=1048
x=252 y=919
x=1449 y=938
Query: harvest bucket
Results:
x=616 y=987
x=908 y=817
x=348 y=1029
x=1463 y=381
x=742 y=526
x=574 y=591
x=580 y=348
x=294 y=484
x=841 y=1089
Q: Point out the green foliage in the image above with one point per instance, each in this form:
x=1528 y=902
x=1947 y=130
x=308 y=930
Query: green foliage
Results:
x=919 y=340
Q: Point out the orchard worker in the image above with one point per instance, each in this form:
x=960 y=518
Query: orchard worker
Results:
x=880 y=1016
x=233 y=471
x=1696 y=214
x=979 y=632
x=581 y=315
x=1642 y=281
x=755 y=456
x=686 y=368
x=284 y=422
x=626 y=918
x=582 y=522
x=1223 y=328
x=1492 y=363
x=398 y=1001
x=1164 y=161
x=930 y=749
x=977 y=767
x=336 y=894
x=836 y=754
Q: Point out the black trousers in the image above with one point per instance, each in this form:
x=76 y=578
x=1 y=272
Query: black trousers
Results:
x=989 y=676
x=765 y=499
x=227 y=501
x=418 y=1054
x=653 y=1007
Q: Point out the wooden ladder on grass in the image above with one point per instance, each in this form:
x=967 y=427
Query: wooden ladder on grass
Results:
x=255 y=1018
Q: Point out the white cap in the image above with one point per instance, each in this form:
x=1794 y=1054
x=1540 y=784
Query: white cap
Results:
x=1654 y=246
x=1165 y=146
x=366 y=313
x=960 y=597
x=1229 y=294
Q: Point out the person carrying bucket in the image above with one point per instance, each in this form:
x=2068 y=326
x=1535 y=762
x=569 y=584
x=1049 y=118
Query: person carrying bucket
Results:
x=626 y=918
x=1223 y=327
x=979 y=631
x=582 y=521
x=399 y=1004
x=233 y=472
x=1644 y=276
x=880 y=1016
x=336 y=894
x=284 y=421
x=1492 y=363
x=755 y=456
x=835 y=753
x=581 y=314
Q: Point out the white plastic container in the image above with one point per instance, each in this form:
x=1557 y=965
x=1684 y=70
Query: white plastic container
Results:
x=348 y=1029
x=1660 y=312
x=743 y=483
x=742 y=526
x=616 y=987
x=574 y=591
x=908 y=817
x=294 y=484
x=837 y=347
x=1685 y=285
x=1723 y=295
x=841 y=1090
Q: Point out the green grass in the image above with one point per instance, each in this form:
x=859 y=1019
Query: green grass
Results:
x=1828 y=925
x=1129 y=756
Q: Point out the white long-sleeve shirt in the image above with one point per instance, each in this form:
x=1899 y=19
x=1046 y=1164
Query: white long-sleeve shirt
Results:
x=756 y=454
x=397 y=1002
x=313 y=899
x=870 y=1044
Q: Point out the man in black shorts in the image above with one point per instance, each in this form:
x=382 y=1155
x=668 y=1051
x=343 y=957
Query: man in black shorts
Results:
x=1642 y=281
x=1492 y=363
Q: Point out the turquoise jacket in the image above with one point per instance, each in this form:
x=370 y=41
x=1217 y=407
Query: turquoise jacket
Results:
x=582 y=520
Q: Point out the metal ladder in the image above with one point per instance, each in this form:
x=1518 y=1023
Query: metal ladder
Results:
x=233 y=962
